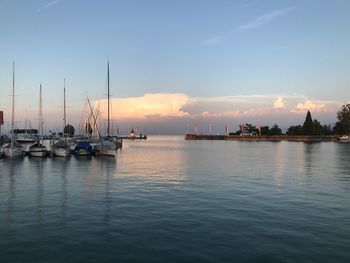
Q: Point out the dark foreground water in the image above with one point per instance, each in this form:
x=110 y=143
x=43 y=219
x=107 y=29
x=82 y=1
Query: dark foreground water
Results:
x=170 y=200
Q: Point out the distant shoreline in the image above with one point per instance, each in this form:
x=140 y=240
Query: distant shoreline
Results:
x=273 y=138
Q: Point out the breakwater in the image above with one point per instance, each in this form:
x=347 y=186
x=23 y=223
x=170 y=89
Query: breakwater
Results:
x=273 y=138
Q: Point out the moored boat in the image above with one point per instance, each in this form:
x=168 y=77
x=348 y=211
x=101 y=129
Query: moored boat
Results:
x=344 y=138
x=38 y=150
x=61 y=149
x=83 y=148
x=26 y=137
x=108 y=147
x=13 y=149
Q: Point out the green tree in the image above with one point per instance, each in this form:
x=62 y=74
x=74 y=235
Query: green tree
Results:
x=327 y=130
x=291 y=130
x=343 y=124
x=249 y=127
x=317 y=127
x=275 y=130
x=339 y=128
x=295 y=130
x=308 y=126
x=265 y=130
x=69 y=129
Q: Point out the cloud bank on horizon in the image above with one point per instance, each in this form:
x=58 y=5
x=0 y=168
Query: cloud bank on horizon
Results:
x=179 y=105
x=171 y=113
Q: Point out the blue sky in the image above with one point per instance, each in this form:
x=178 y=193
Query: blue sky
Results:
x=212 y=52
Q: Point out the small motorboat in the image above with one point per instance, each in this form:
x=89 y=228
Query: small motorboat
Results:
x=344 y=138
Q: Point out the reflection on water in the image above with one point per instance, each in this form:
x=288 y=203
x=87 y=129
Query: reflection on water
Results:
x=60 y=166
x=141 y=159
x=343 y=164
x=37 y=168
x=12 y=194
x=308 y=152
x=173 y=201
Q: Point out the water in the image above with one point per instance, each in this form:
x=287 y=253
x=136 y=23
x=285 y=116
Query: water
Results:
x=170 y=200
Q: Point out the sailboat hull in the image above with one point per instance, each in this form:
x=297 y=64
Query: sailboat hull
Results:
x=13 y=153
x=111 y=153
x=38 y=152
x=107 y=148
x=82 y=152
x=62 y=152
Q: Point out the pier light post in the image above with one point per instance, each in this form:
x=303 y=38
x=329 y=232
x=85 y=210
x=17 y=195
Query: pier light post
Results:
x=196 y=129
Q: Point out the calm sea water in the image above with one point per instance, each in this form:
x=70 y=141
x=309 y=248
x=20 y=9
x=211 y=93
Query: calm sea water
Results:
x=170 y=200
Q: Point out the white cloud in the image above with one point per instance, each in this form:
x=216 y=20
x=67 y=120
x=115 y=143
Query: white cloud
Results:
x=279 y=103
x=308 y=105
x=316 y=106
x=264 y=19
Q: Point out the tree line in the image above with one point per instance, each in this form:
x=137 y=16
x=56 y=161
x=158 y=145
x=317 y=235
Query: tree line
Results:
x=314 y=127
x=309 y=127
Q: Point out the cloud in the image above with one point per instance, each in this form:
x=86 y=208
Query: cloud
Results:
x=279 y=103
x=230 y=105
x=213 y=41
x=159 y=105
x=309 y=105
x=173 y=111
x=48 y=5
x=264 y=19
x=256 y=105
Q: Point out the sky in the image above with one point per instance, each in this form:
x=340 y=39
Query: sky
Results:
x=175 y=64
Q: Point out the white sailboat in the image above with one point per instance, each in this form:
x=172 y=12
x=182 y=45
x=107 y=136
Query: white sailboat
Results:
x=108 y=145
x=38 y=149
x=61 y=147
x=13 y=149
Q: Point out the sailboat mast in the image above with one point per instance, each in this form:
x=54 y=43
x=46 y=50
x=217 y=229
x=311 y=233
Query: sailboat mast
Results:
x=40 y=114
x=13 y=106
x=108 y=98
x=64 y=107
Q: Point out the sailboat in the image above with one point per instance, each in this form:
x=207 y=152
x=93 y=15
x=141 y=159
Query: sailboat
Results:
x=14 y=149
x=61 y=147
x=83 y=146
x=38 y=149
x=108 y=145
